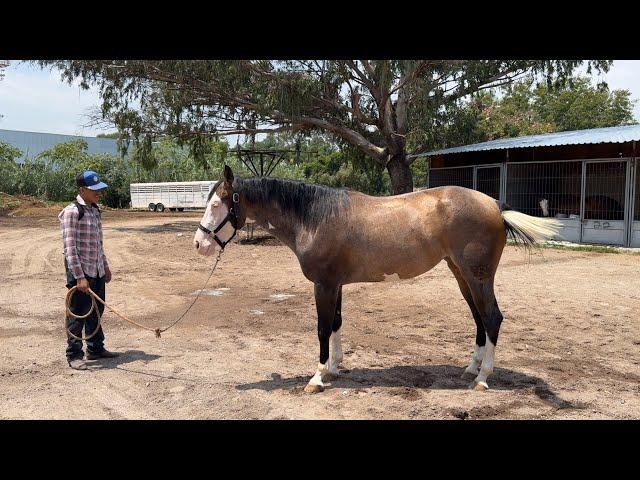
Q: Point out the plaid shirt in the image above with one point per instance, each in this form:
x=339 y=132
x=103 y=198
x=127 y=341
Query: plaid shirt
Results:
x=83 y=249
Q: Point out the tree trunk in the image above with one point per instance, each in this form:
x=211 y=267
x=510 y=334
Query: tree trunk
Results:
x=400 y=173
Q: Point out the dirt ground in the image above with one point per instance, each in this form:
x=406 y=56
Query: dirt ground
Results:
x=568 y=348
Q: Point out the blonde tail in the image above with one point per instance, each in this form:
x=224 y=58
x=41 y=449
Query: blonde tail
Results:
x=529 y=230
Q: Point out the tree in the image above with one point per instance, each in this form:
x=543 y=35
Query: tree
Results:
x=530 y=108
x=8 y=166
x=385 y=108
x=9 y=153
x=114 y=135
x=582 y=105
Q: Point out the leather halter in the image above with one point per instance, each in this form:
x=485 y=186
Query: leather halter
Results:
x=232 y=217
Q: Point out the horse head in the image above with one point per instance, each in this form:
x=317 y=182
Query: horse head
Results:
x=222 y=218
x=544 y=205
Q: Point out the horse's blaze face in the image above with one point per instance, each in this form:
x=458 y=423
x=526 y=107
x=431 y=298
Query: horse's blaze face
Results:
x=214 y=214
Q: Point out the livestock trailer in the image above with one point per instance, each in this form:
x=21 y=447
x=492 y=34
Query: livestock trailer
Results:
x=587 y=179
x=156 y=197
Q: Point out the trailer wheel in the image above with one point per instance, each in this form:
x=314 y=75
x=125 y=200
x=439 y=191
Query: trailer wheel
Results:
x=159 y=207
x=152 y=207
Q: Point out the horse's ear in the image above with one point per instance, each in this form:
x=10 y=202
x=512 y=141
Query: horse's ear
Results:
x=228 y=175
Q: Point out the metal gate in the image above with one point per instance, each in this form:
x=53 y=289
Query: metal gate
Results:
x=459 y=176
x=548 y=189
x=634 y=237
x=597 y=201
x=488 y=179
x=604 y=205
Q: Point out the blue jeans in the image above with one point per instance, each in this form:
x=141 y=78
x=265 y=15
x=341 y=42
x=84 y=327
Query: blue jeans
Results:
x=80 y=305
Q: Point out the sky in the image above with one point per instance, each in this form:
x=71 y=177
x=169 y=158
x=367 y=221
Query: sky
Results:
x=36 y=100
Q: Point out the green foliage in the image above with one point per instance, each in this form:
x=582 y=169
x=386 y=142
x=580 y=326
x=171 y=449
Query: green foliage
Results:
x=51 y=174
x=8 y=166
x=582 y=105
x=314 y=158
x=420 y=171
x=167 y=160
x=527 y=108
x=8 y=152
x=347 y=168
x=513 y=115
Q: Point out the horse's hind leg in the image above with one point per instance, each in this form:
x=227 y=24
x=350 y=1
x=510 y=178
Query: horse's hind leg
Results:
x=479 y=348
x=485 y=301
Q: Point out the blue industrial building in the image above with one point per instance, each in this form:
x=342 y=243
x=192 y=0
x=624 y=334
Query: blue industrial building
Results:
x=33 y=143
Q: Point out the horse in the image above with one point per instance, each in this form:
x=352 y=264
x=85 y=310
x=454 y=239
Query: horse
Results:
x=343 y=236
x=596 y=207
x=563 y=204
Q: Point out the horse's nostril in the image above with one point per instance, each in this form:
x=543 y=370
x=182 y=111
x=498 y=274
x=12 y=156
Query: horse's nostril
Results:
x=197 y=245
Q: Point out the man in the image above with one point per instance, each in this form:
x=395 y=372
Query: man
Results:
x=86 y=266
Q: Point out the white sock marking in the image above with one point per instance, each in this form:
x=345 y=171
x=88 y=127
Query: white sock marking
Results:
x=476 y=359
x=335 y=352
x=486 y=368
x=320 y=371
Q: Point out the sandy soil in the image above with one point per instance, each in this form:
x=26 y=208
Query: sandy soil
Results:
x=568 y=348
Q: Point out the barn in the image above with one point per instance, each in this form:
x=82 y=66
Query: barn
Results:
x=587 y=179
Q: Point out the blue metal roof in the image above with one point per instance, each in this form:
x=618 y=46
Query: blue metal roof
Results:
x=624 y=134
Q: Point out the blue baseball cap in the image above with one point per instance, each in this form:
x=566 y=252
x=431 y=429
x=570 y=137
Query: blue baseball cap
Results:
x=91 y=180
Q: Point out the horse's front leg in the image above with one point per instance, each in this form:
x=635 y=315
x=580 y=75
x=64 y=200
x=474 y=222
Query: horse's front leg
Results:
x=335 y=342
x=326 y=301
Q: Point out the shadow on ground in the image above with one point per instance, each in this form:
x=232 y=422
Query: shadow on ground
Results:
x=179 y=227
x=432 y=377
x=125 y=357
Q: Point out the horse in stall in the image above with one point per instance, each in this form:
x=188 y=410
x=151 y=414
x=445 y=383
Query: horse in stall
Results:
x=342 y=237
x=596 y=207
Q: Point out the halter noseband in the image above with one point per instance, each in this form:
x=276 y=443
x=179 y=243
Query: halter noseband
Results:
x=232 y=217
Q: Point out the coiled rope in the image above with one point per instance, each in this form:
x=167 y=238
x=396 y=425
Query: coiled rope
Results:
x=94 y=307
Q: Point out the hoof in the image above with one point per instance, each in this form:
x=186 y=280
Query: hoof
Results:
x=313 y=388
x=468 y=375
x=480 y=386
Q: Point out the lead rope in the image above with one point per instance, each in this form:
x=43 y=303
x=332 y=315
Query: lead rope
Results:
x=94 y=307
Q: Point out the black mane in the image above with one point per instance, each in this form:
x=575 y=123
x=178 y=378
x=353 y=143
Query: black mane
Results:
x=305 y=203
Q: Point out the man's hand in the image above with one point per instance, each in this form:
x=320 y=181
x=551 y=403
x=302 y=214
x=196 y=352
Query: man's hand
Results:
x=83 y=285
x=107 y=275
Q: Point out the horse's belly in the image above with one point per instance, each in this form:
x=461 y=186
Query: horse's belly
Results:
x=393 y=266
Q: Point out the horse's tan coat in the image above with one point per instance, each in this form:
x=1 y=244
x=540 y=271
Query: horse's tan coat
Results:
x=405 y=235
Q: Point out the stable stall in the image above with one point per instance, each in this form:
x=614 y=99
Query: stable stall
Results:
x=586 y=179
